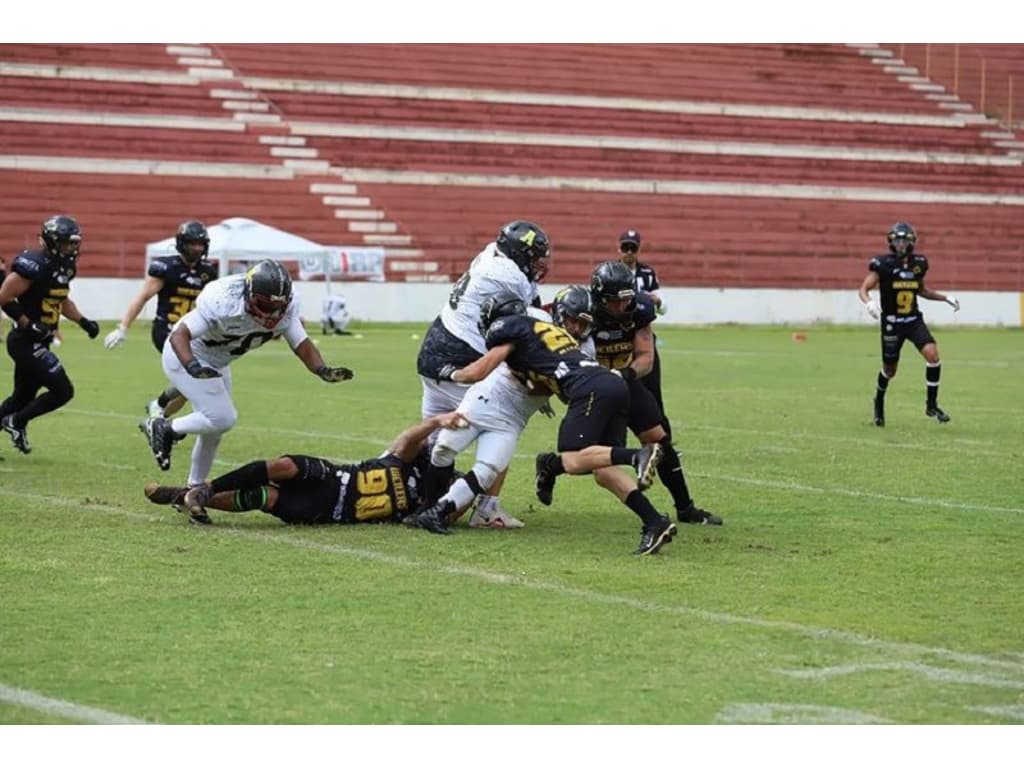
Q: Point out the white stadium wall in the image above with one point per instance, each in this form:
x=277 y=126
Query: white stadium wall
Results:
x=105 y=299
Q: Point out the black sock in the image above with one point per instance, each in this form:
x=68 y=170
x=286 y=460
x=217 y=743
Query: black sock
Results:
x=557 y=467
x=436 y=481
x=623 y=456
x=883 y=385
x=670 y=472
x=251 y=475
x=931 y=376
x=643 y=508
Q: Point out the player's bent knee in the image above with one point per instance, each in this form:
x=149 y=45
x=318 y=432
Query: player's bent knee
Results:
x=222 y=421
x=443 y=455
x=485 y=475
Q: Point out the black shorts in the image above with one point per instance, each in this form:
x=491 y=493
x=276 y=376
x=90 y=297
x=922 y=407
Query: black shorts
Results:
x=308 y=500
x=597 y=415
x=644 y=411
x=159 y=332
x=33 y=361
x=894 y=334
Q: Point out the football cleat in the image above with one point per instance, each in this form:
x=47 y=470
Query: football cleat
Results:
x=19 y=438
x=545 y=478
x=497 y=518
x=161 y=437
x=432 y=518
x=879 y=412
x=153 y=410
x=647 y=461
x=654 y=537
x=694 y=515
x=932 y=412
x=165 y=494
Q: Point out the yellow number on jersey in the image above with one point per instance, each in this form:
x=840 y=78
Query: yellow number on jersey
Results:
x=50 y=311
x=373 y=502
x=554 y=338
x=904 y=302
x=180 y=305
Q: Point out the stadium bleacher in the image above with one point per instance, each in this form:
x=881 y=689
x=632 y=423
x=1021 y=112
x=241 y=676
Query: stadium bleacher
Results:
x=743 y=165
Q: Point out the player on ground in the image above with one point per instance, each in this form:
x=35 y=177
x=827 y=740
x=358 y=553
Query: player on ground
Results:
x=35 y=295
x=176 y=282
x=899 y=278
x=308 y=490
x=233 y=316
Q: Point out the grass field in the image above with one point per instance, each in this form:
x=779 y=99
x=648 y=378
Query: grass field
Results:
x=862 y=575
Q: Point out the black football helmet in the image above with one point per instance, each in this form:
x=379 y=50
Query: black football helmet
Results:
x=902 y=238
x=526 y=244
x=574 y=303
x=613 y=281
x=189 y=234
x=500 y=304
x=62 y=238
x=268 y=292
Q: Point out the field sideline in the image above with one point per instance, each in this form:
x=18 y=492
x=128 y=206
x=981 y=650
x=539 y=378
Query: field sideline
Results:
x=862 y=576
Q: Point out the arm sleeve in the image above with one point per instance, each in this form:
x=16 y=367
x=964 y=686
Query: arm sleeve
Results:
x=294 y=333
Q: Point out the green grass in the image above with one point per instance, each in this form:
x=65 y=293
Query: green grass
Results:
x=862 y=574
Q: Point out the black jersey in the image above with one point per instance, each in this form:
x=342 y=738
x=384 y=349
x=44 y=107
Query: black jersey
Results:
x=378 y=489
x=182 y=284
x=613 y=337
x=51 y=280
x=899 y=284
x=542 y=353
x=646 y=277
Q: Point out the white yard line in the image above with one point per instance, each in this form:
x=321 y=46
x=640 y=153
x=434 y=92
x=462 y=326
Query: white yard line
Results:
x=63 y=708
x=823 y=634
x=795 y=714
x=931 y=673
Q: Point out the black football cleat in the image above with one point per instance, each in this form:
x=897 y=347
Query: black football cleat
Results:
x=161 y=438
x=654 y=537
x=197 y=497
x=647 y=461
x=932 y=412
x=165 y=494
x=545 y=478
x=19 y=437
x=432 y=518
x=879 y=412
x=694 y=515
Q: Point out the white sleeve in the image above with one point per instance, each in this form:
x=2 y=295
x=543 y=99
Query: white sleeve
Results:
x=294 y=332
x=196 y=323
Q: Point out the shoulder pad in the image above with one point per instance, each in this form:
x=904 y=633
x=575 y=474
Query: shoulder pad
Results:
x=157 y=267
x=29 y=264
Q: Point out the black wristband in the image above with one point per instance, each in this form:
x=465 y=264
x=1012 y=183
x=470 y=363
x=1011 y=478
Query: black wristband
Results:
x=628 y=373
x=13 y=310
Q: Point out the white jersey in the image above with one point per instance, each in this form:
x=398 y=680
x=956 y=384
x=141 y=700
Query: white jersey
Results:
x=500 y=402
x=222 y=331
x=488 y=274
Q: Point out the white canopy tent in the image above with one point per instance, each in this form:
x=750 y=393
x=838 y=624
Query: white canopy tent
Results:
x=246 y=240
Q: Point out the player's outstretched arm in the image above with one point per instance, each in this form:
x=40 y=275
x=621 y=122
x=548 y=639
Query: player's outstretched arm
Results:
x=150 y=288
x=870 y=305
x=70 y=310
x=481 y=368
x=310 y=356
x=408 y=444
x=953 y=301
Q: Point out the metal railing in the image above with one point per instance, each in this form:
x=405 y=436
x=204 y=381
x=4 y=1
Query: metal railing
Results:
x=982 y=75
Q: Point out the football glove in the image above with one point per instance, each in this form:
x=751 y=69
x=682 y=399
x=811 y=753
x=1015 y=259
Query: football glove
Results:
x=39 y=332
x=91 y=327
x=197 y=370
x=662 y=308
x=327 y=373
x=446 y=372
x=547 y=410
x=116 y=337
x=873 y=309
x=954 y=302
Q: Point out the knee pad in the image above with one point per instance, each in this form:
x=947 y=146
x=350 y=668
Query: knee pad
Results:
x=250 y=498
x=483 y=477
x=442 y=455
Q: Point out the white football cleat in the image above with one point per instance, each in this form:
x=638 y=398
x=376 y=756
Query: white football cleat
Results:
x=499 y=518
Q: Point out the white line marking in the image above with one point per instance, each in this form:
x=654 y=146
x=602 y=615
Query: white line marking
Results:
x=62 y=708
x=795 y=714
x=1010 y=713
x=285 y=537
x=929 y=672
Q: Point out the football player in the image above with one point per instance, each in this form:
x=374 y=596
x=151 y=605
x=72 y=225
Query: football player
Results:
x=233 y=315
x=308 y=490
x=899 y=278
x=35 y=295
x=625 y=343
x=176 y=282
x=517 y=259
x=592 y=434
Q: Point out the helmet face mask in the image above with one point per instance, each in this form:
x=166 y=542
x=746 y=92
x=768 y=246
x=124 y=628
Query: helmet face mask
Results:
x=527 y=245
x=192 y=242
x=573 y=310
x=268 y=292
x=62 y=238
x=613 y=289
x=501 y=304
x=901 y=238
